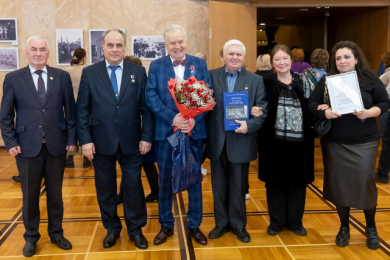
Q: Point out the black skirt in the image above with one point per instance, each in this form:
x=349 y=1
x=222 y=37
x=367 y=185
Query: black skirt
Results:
x=349 y=175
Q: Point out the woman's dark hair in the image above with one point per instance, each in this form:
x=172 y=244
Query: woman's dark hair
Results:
x=78 y=55
x=319 y=58
x=386 y=59
x=133 y=59
x=362 y=67
x=280 y=47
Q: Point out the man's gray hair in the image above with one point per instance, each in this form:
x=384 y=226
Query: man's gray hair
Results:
x=36 y=37
x=175 y=27
x=104 y=34
x=233 y=42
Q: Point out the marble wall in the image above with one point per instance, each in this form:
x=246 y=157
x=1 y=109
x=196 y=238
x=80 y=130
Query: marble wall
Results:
x=137 y=17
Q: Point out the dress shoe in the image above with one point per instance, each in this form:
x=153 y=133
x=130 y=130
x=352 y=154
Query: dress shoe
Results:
x=242 y=235
x=16 y=178
x=29 y=249
x=380 y=179
x=151 y=198
x=110 y=240
x=300 y=231
x=198 y=236
x=342 y=238
x=217 y=232
x=69 y=162
x=62 y=243
x=272 y=232
x=86 y=162
x=162 y=236
x=140 y=241
x=372 y=238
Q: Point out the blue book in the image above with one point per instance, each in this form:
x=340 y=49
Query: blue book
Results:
x=235 y=107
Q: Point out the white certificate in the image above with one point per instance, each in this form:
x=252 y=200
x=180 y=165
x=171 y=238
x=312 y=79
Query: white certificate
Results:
x=344 y=93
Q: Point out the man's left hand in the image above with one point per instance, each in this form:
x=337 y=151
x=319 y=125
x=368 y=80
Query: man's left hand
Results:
x=70 y=148
x=144 y=147
x=243 y=129
x=192 y=126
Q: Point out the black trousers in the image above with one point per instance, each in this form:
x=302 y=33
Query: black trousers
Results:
x=229 y=183
x=31 y=171
x=133 y=193
x=286 y=207
x=384 y=160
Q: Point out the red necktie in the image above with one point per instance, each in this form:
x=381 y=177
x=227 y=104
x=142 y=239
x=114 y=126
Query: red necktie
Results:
x=178 y=62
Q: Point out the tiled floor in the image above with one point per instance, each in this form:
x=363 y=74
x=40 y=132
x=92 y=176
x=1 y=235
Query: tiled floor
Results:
x=83 y=227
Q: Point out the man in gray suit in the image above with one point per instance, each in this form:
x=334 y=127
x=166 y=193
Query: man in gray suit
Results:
x=230 y=151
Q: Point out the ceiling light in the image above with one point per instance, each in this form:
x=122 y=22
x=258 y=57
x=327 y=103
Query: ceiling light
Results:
x=262 y=23
x=303 y=10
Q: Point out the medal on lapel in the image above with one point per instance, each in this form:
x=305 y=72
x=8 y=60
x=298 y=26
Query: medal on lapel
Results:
x=132 y=78
x=246 y=86
x=51 y=78
x=192 y=69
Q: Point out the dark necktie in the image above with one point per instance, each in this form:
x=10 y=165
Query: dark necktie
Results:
x=41 y=86
x=114 y=83
x=178 y=62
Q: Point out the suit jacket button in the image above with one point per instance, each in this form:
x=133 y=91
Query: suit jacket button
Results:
x=117 y=107
x=40 y=126
x=116 y=120
x=43 y=110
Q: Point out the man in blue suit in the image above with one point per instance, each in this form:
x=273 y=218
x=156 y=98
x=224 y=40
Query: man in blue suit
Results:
x=112 y=94
x=44 y=130
x=160 y=101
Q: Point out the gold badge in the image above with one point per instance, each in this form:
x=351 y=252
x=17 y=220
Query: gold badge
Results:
x=246 y=86
x=51 y=78
x=132 y=78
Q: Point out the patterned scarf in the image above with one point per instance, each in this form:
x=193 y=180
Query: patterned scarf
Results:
x=289 y=116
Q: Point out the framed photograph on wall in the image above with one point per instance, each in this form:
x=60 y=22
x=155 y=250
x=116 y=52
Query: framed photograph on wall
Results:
x=95 y=45
x=8 y=30
x=9 y=58
x=67 y=40
x=148 y=47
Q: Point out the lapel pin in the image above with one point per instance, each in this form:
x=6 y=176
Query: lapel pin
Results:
x=246 y=86
x=51 y=78
x=132 y=78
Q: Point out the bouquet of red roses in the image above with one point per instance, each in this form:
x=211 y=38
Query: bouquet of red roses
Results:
x=192 y=97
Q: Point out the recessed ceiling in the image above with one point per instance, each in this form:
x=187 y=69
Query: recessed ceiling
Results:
x=292 y=16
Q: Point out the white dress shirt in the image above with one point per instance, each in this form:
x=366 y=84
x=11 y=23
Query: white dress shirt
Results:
x=35 y=76
x=179 y=69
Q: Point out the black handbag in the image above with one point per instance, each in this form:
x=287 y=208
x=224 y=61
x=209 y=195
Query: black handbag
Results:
x=322 y=126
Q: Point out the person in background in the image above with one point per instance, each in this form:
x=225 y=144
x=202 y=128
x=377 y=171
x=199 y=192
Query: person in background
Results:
x=148 y=162
x=286 y=149
x=319 y=61
x=222 y=60
x=298 y=64
x=351 y=147
x=263 y=66
x=76 y=67
x=382 y=175
x=201 y=55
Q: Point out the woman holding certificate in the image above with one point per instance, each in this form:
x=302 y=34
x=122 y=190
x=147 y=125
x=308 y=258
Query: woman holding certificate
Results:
x=350 y=149
x=286 y=145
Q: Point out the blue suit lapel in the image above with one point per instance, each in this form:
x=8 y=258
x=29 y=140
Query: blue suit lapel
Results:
x=187 y=71
x=30 y=83
x=125 y=79
x=106 y=79
x=169 y=68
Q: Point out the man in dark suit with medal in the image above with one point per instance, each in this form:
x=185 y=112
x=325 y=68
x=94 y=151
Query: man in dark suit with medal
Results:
x=112 y=94
x=44 y=130
x=231 y=151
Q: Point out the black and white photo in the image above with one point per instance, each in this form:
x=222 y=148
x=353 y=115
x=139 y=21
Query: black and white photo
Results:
x=95 y=45
x=236 y=112
x=148 y=47
x=67 y=41
x=8 y=30
x=9 y=59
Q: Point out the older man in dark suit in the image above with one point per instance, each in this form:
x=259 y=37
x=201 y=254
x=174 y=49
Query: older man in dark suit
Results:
x=231 y=151
x=112 y=93
x=45 y=129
